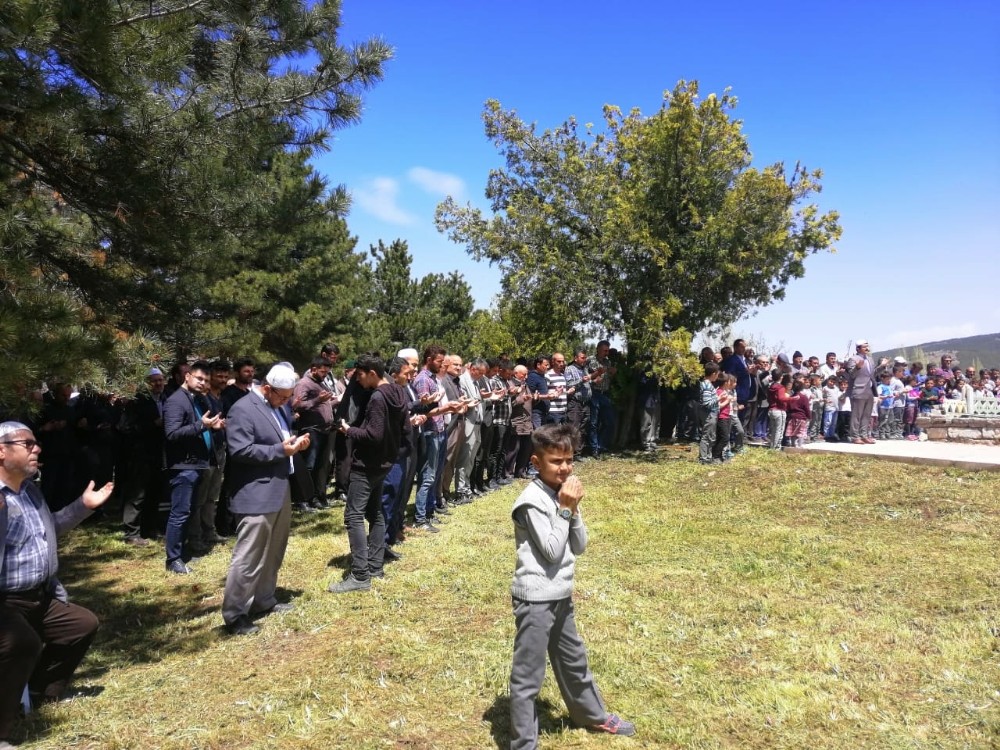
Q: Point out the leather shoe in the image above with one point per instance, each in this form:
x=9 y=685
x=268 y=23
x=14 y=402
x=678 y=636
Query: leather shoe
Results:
x=349 y=584
x=178 y=567
x=443 y=510
x=242 y=625
x=391 y=555
x=281 y=608
x=137 y=541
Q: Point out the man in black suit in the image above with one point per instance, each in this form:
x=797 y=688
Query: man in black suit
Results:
x=261 y=446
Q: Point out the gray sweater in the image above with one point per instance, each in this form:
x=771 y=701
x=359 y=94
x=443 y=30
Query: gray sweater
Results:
x=547 y=546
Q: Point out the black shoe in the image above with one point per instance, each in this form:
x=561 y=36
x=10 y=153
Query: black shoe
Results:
x=242 y=625
x=137 y=541
x=178 y=567
x=505 y=481
x=427 y=526
x=392 y=556
x=376 y=574
x=281 y=608
x=303 y=508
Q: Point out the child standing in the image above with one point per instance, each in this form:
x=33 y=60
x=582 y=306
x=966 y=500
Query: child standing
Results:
x=798 y=414
x=885 y=400
x=708 y=405
x=777 y=411
x=724 y=424
x=549 y=534
x=912 y=394
x=830 y=395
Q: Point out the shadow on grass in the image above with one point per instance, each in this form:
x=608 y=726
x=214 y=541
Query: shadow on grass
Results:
x=550 y=719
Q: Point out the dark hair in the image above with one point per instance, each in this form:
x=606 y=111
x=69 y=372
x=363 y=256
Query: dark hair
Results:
x=318 y=362
x=551 y=437
x=492 y=363
x=244 y=362
x=831 y=354
x=371 y=363
x=579 y=350
x=539 y=358
x=711 y=368
x=221 y=365
x=201 y=365
x=604 y=342
x=432 y=351
x=505 y=364
x=396 y=365
x=330 y=349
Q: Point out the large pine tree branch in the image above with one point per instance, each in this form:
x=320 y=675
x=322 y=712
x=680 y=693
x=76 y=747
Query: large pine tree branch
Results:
x=156 y=14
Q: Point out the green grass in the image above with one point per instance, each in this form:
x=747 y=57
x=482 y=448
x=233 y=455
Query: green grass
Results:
x=774 y=602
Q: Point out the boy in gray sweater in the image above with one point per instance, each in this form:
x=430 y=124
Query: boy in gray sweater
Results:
x=549 y=534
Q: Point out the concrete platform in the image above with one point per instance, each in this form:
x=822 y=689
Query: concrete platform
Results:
x=928 y=453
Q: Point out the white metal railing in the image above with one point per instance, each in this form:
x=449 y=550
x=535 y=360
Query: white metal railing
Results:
x=972 y=404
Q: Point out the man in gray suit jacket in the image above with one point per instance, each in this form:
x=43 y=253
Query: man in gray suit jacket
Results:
x=861 y=375
x=261 y=446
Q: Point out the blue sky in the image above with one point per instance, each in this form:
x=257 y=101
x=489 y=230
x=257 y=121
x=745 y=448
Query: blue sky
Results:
x=898 y=103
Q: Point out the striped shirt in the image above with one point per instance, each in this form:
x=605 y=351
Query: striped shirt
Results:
x=557 y=406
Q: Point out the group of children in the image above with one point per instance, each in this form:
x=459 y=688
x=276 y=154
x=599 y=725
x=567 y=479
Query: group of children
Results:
x=811 y=408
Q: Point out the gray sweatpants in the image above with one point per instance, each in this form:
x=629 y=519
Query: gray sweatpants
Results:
x=549 y=627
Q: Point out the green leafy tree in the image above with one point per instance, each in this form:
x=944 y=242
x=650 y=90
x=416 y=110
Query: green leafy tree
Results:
x=403 y=311
x=652 y=229
x=158 y=133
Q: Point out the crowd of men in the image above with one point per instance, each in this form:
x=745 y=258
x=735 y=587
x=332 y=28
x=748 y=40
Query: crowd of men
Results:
x=229 y=449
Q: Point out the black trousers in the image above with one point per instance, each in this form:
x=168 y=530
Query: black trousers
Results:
x=42 y=641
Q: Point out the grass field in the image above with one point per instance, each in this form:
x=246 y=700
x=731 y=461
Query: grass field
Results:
x=774 y=602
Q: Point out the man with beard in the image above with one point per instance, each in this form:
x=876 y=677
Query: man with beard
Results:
x=189 y=451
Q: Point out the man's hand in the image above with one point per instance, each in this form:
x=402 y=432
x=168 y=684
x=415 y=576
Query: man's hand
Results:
x=291 y=446
x=324 y=397
x=94 y=499
x=571 y=493
x=211 y=422
x=418 y=419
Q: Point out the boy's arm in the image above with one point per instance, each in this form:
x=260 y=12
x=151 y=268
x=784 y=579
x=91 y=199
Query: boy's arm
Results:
x=549 y=538
x=577 y=534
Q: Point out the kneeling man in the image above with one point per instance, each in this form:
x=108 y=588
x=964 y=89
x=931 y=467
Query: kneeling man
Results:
x=42 y=636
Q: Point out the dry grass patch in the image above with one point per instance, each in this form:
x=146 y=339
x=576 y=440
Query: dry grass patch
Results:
x=775 y=602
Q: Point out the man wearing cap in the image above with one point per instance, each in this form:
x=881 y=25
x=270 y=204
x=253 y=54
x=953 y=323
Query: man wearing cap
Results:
x=261 y=446
x=861 y=386
x=42 y=636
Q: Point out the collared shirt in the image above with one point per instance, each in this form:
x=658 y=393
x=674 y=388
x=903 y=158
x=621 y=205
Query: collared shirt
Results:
x=26 y=555
x=423 y=384
x=593 y=365
x=501 y=408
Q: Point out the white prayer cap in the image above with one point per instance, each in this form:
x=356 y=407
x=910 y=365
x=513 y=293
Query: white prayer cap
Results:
x=407 y=354
x=281 y=376
x=862 y=342
x=9 y=428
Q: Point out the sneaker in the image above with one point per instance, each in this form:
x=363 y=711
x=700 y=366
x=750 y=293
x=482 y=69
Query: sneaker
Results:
x=350 y=584
x=614 y=724
x=427 y=526
x=443 y=510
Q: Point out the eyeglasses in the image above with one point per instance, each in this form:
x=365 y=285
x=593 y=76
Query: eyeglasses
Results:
x=29 y=445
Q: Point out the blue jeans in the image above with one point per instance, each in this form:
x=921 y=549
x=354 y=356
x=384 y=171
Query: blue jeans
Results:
x=431 y=447
x=602 y=422
x=392 y=500
x=829 y=424
x=183 y=483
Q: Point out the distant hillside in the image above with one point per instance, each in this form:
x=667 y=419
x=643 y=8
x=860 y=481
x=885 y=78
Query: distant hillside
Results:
x=975 y=351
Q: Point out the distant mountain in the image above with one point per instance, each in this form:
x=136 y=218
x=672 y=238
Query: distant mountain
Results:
x=975 y=351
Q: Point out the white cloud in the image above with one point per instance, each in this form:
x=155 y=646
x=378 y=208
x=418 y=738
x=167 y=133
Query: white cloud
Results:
x=438 y=183
x=378 y=197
